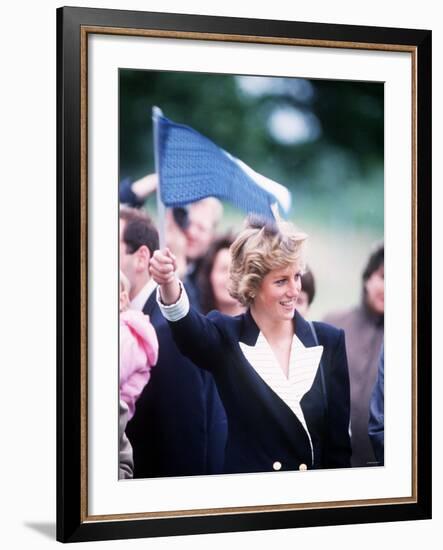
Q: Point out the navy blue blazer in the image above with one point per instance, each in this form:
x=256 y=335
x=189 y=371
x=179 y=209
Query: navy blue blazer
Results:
x=262 y=429
x=376 y=426
x=179 y=426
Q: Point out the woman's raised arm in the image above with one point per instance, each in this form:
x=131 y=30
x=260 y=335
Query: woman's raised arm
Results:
x=196 y=336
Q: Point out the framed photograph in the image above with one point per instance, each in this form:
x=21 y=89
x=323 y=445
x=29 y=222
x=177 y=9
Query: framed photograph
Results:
x=184 y=143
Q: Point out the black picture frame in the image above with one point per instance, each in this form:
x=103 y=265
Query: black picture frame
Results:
x=73 y=26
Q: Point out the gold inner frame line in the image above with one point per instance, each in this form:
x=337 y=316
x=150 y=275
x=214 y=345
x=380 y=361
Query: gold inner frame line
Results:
x=84 y=32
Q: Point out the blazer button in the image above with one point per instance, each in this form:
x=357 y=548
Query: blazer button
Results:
x=277 y=465
x=302 y=467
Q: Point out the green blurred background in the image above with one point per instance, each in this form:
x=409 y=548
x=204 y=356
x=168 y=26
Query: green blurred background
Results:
x=322 y=139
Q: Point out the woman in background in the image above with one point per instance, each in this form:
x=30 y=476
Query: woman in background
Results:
x=214 y=279
x=307 y=293
x=364 y=328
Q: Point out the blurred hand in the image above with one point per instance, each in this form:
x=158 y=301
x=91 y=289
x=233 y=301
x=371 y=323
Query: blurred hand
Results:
x=145 y=186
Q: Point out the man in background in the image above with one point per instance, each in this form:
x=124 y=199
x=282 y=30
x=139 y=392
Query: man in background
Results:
x=191 y=229
x=179 y=426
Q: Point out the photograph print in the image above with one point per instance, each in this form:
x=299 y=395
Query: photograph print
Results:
x=251 y=274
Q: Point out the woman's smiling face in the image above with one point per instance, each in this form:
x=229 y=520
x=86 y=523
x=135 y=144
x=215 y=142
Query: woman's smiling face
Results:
x=278 y=293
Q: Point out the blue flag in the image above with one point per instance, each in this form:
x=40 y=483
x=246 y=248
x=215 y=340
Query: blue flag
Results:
x=191 y=167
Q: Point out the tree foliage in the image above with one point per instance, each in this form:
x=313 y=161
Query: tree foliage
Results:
x=339 y=144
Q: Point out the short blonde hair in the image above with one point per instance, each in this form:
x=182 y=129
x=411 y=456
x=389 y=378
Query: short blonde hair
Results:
x=260 y=248
x=124 y=283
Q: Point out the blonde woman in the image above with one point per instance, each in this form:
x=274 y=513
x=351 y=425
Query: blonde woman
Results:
x=283 y=382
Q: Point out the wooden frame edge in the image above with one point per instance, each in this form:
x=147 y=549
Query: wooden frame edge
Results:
x=84 y=31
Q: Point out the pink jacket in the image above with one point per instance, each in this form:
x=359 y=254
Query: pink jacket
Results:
x=138 y=353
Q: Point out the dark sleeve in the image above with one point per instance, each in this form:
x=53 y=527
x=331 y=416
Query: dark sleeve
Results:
x=199 y=337
x=337 y=440
x=376 y=428
x=127 y=196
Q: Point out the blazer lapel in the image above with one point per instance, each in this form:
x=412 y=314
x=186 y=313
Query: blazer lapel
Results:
x=303 y=330
x=249 y=330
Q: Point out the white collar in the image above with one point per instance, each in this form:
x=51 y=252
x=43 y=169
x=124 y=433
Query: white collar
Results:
x=139 y=301
x=303 y=364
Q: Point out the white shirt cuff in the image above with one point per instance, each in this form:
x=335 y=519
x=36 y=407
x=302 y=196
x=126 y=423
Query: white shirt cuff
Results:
x=174 y=312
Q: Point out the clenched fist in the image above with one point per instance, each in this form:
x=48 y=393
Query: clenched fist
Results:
x=162 y=267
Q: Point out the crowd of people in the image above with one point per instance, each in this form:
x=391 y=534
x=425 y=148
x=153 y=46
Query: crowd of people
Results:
x=220 y=370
